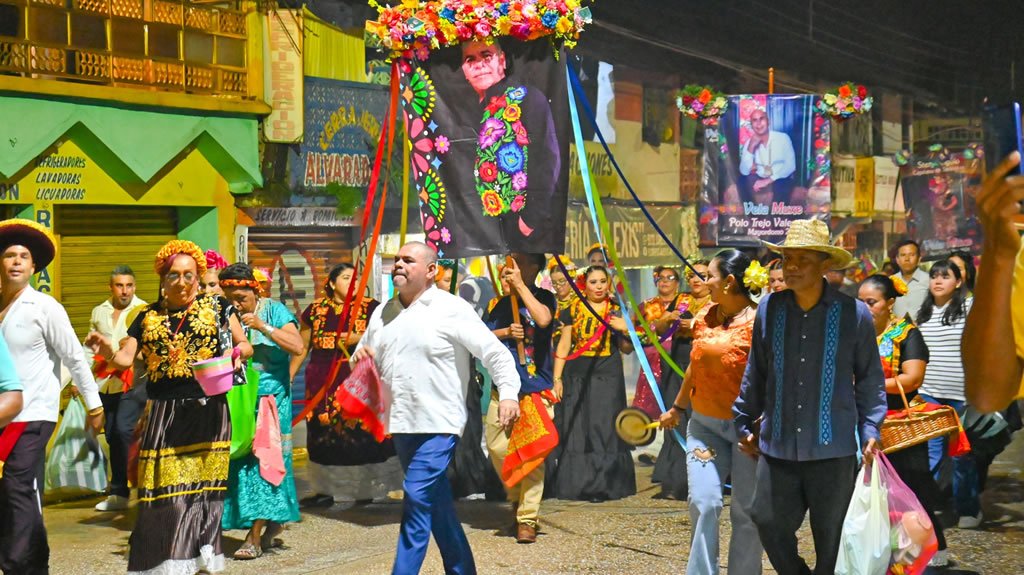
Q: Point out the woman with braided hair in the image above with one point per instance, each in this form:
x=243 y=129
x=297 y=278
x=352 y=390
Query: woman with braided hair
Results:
x=346 y=463
x=261 y=485
x=186 y=437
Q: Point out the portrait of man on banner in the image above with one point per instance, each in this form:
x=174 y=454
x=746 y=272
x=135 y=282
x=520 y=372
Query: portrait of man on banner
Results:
x=767 y=164
x=941 y=212
x=494 y=142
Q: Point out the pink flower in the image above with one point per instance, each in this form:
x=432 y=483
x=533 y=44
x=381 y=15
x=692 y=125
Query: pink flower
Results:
x=518 y=182
x=518 y=202
x=441 y=144
x=483 y=28
x=522 y=138
x=446 y=236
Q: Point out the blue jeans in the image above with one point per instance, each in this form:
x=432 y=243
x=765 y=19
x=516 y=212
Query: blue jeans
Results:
x=428 y=506
x=966 y=495
x=713 y=452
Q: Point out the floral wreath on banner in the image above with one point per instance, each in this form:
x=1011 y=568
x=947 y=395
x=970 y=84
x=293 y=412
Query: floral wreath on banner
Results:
x=846 y=101
x=419 y=26
x=701 y=103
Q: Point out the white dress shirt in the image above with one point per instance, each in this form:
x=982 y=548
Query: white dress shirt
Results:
x=777 y=160
x=423 y=355
x=917 y=290
x=102 y=321
x=40 y=337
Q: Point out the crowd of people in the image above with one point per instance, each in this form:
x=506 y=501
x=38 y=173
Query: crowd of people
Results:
x=778 y=376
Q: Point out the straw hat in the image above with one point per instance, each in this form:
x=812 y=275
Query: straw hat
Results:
x=813 y=235
x=35 y=237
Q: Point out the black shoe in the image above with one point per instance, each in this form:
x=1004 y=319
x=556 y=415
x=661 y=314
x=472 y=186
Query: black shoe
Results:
x=318 y=500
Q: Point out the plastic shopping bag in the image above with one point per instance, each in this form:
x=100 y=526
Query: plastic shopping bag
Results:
x=864 y=547
x=912 y=537
x=242 y=409
x=76 y=464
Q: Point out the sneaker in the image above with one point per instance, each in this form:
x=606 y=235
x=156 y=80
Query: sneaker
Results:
x=940 y=559
x=113 y=503
x=970 y=522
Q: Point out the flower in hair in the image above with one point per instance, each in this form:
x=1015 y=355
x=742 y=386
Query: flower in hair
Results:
x=755 y=277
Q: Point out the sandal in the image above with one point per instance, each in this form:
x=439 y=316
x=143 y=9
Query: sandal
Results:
x=248 y=551
x=269 y=539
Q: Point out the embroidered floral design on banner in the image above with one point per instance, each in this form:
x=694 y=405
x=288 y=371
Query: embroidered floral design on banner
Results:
x=502 y=154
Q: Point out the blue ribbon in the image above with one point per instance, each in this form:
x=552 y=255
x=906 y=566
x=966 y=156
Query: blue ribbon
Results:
x=574 y=91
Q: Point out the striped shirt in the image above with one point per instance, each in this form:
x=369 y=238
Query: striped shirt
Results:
x=944 y=376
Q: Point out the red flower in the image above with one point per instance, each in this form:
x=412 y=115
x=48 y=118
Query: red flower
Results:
x=522 y=138
x=844 y=91
x=488 y=171
x=862 y=92
x=496 y=103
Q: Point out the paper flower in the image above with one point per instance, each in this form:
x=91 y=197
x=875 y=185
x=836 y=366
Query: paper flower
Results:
x=755 y=277
x=846 y=101
x=701 y=103
x=441 y=144
x=899 y=284
x=416 y=27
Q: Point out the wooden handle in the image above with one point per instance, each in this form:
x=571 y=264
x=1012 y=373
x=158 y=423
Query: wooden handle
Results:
x=520 y=349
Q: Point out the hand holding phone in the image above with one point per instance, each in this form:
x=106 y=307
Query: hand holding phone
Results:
x=1001 y=126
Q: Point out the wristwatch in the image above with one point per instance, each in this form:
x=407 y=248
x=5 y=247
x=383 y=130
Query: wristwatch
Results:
x=269 y=330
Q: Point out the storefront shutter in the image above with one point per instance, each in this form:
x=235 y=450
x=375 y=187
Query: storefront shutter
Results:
x=94 y=240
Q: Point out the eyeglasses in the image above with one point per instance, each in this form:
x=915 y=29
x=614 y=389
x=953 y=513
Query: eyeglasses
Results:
x=175 y=277
x=560 y=283
x=671 y=278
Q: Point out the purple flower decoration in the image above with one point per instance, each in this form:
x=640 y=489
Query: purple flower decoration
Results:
x=446 y=236
x=492 y=131
x=441 y=144
x=519 y=181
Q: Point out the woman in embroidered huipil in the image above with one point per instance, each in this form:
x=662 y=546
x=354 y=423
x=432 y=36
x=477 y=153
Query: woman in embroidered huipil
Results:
x=261 y=485
x=591 y=462
x=345 y=461
x=721 y=343
x=904 y=359
x=186 y=437
x=670 y=468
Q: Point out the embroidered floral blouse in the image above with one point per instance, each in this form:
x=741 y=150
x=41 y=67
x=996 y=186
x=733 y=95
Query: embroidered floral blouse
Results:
x=170 y=341
x=585 y=327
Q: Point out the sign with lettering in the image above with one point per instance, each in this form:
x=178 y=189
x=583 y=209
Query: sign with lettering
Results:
x=766 y=164
x=342 y=125
x=291 y=217
x=939 y=191
x=606 y=182
x=282 y=73
x=853 y=185
x=637 y=242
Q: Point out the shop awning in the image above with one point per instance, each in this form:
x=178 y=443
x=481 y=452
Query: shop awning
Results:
x=133 y=145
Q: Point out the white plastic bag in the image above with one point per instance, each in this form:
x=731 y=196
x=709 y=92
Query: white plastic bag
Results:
x=864 y=546
x=76 y=464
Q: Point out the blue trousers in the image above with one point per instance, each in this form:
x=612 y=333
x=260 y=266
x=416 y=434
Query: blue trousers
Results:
x=428 y=506
x=966 y=492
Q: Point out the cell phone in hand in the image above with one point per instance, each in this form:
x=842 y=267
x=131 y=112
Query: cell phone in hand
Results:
x=1001 y=126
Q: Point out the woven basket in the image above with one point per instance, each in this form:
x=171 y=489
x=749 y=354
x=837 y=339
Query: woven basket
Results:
x=911 y=428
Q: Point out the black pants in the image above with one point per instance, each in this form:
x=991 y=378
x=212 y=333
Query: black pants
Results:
x=785 y=492
x=122 y=412
x=23 y=546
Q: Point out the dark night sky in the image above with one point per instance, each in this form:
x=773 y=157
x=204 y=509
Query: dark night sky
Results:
x=948 y=55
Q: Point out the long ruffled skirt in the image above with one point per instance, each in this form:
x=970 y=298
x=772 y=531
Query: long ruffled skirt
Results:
x=183 y=474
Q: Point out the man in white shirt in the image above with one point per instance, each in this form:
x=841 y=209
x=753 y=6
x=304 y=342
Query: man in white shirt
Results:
x=110 y=321
x=767 y=163
x=421 y=342
x=40 y=338
x=908 y=257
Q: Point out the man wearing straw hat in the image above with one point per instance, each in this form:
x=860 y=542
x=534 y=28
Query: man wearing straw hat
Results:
x=40 y=337
x=813 y=387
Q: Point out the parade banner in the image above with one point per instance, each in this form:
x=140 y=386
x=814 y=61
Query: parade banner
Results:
x=638 y=243
x=489 y=129
x=342 y=125
x=765 y=165
x=940 y=193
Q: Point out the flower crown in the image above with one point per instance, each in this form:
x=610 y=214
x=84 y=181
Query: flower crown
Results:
x=755 y=277
x=847 y=100
x=251 y=284
x=175 y=247
x=899 y=284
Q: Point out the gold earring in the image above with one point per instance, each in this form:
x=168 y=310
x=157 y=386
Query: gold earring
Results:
x=725 y=289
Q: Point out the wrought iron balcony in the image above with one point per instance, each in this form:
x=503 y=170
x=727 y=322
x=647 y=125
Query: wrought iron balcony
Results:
x=162 y=45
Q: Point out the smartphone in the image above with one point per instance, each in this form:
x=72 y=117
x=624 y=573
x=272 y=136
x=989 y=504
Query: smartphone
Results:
x=1002 y=131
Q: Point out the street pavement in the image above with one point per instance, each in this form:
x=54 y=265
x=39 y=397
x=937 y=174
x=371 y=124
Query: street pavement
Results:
x=637 y=535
